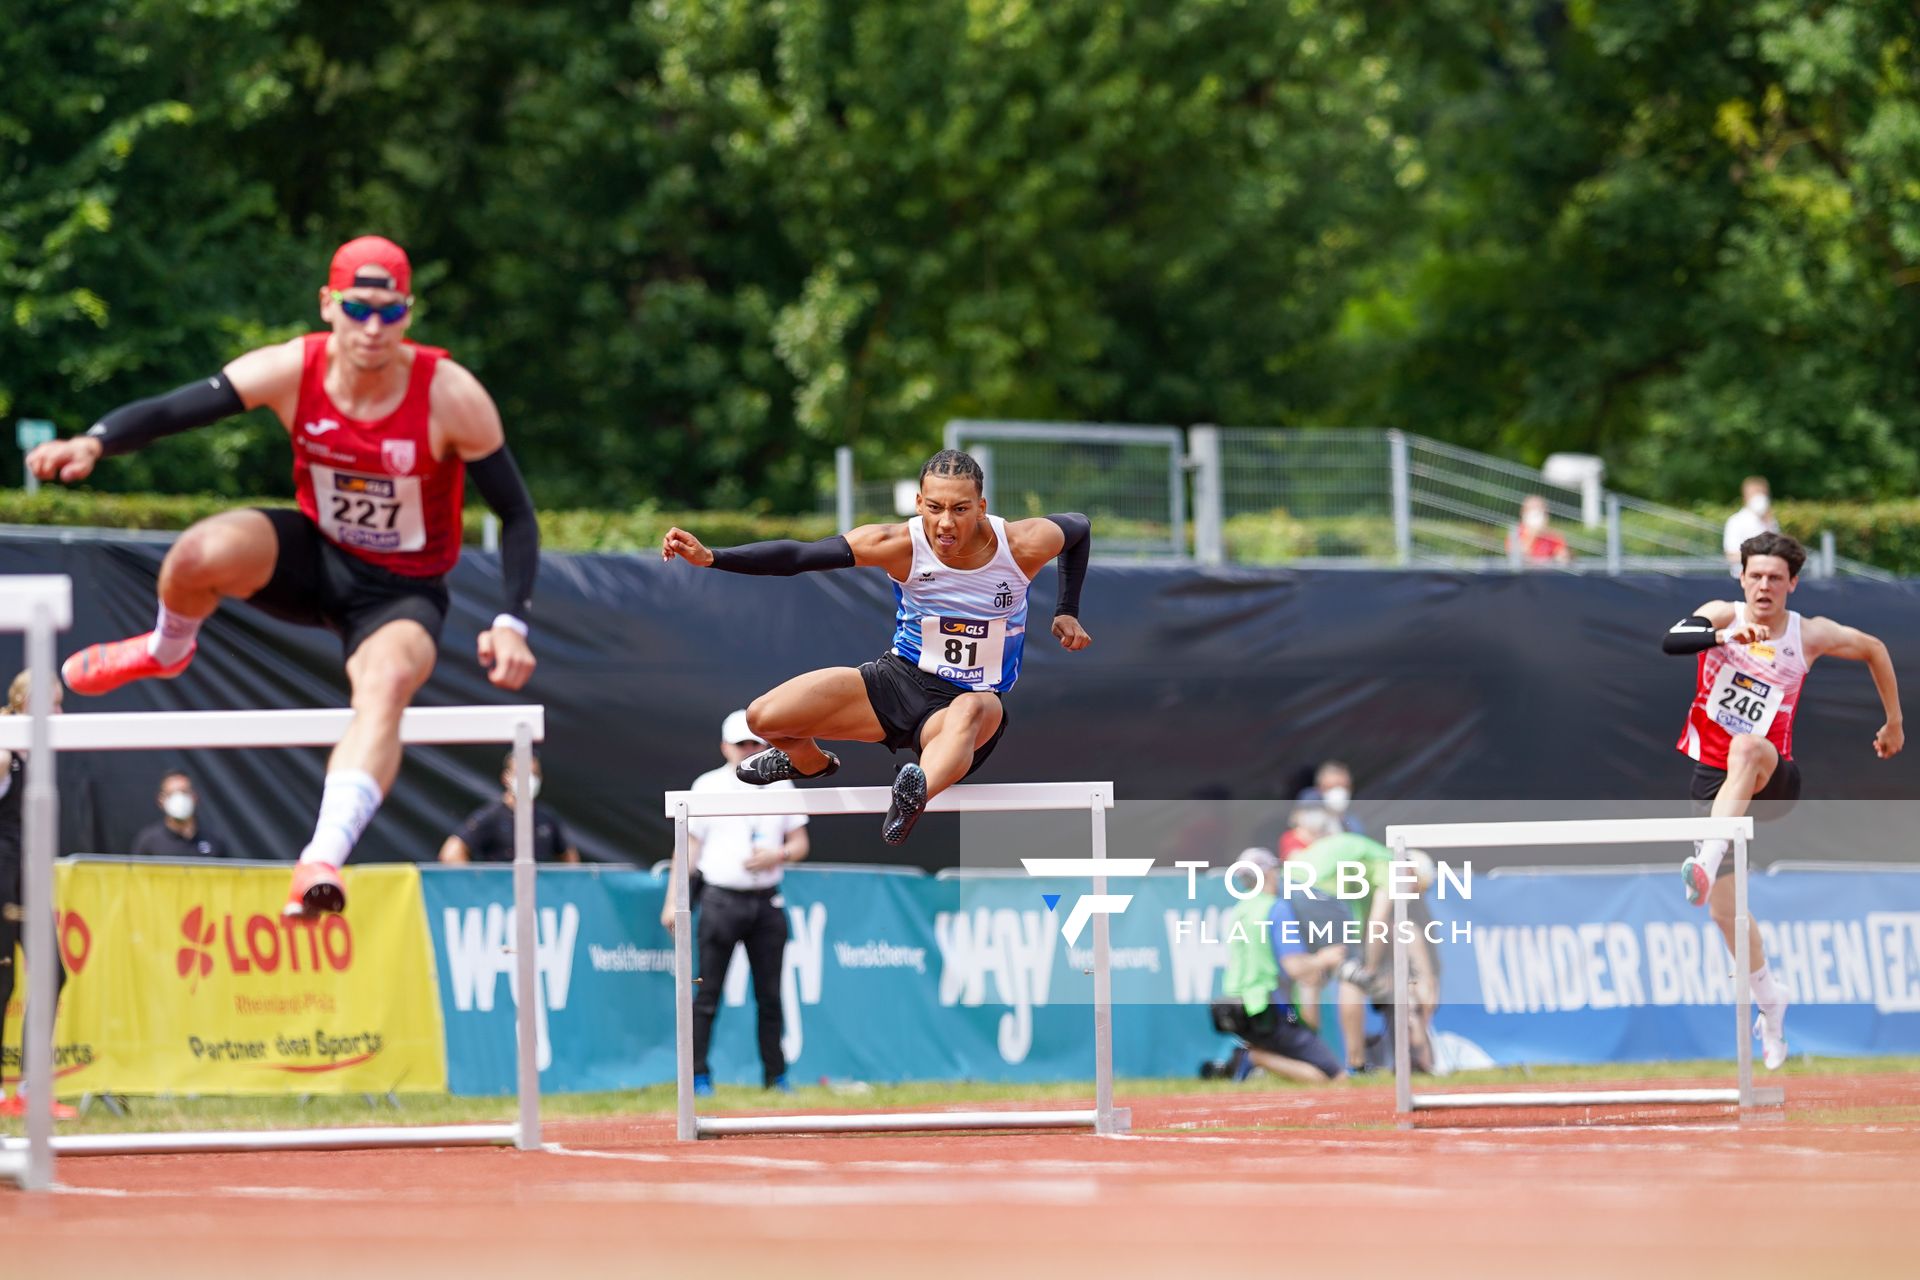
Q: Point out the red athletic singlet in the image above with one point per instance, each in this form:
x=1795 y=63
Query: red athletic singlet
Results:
x=373 y=488
x=1749 y=688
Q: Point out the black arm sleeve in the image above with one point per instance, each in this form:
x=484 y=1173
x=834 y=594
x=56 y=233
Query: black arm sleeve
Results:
x=784 y=558
x=137 y=425
x=1691 y=634
x=498 y=479
x=1073 y=560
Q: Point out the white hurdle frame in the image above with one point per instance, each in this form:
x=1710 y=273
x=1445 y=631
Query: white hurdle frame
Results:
x=1095 y=798
x=1493 y=835
x=41 y=606
x=30 y=1162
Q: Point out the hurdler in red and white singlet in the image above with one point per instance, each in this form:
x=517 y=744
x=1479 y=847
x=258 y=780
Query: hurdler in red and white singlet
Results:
x=373 y=488
x=1749 y=688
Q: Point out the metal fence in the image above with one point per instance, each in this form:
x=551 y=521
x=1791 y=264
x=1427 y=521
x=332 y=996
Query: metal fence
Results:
x=1131 y=480
x=1348 y=499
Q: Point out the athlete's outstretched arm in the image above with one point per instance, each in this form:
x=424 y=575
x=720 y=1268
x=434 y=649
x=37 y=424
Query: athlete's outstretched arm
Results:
x=1832 y=640
x=1069 y=539
x=266 y=376
x=885 y=546
x=469 y=422
x=1704 y=628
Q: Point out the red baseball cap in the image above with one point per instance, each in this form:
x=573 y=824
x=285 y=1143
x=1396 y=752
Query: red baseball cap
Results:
x=371 y=262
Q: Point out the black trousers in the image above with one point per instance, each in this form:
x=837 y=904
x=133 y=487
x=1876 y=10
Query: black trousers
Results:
x=729 y=917
x=9 y=938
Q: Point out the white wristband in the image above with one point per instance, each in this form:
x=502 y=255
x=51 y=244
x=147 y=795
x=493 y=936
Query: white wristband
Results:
x=510 y=622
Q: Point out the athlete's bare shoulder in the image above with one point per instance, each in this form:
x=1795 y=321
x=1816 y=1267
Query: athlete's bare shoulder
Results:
x=1825 y=638
x=464 y=415
x=269 y=376
x=1718 y=612
x=1034 y=542
x=883 y=546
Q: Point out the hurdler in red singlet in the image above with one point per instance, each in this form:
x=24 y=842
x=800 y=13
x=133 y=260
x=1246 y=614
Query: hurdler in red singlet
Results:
x=384 y=432
x=1745 y=689
x=1754 y=656
x=374 y=488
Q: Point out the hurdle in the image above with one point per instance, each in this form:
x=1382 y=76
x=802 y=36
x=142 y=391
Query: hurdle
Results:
x=1094 y=798
x=1491 y=835
x=41 y=605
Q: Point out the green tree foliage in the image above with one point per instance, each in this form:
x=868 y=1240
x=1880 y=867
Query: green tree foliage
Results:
x=1682 y=234
x=692 y=245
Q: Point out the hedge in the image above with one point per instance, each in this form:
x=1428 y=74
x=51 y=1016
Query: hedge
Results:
x=1886 y=534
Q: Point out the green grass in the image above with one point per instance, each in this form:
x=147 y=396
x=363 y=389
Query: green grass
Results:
x=173 y=1113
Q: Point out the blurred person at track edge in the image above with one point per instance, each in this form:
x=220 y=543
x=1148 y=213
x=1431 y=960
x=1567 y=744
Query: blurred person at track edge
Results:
x=1333 y=781
x=1306 y=823
x=740 y=862
x=1280 y=952
x=1532 y=542
x=487 y=833
x=1753 y=660
x=384 y=433
x=1754 y=518
x=1374 y=975
x=180 y=832
x=13 y=787
x=960 y=580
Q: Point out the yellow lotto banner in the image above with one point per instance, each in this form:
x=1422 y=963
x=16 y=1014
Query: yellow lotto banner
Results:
x=188 y=980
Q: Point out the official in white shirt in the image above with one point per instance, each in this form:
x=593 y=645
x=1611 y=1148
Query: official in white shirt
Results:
x=1754 y=518
x=740 y=861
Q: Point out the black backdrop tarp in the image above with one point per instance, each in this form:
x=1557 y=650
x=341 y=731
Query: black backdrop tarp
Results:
x=1223 y=683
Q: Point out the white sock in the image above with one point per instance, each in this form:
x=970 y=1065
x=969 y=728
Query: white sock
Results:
x=172 y=637
x=1711 y=852
x=347 y=804
x=1766 y=990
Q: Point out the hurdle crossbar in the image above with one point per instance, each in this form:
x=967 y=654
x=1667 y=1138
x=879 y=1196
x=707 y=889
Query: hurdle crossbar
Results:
x=348 y=1138
x=909 y=1122
x=1485 y=835
x=1096 y=798
x=192 y=730
x=41 y=606
x=1591 y=1098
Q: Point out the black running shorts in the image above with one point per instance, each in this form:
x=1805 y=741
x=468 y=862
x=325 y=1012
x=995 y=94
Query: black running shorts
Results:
x=904 y=698
x=316 y=584
x=1774 y=800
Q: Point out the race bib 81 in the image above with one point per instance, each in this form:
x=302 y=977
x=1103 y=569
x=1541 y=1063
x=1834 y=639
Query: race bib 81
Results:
x=967 y=651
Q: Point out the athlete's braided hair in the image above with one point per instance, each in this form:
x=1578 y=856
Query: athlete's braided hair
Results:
x=952 y=462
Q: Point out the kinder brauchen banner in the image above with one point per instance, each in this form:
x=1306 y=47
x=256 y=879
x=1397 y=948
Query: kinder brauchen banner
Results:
x=1618 y=968
x=186 y=979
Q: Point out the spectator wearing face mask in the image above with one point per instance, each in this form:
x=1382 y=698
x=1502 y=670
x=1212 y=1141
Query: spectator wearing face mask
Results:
x=1754 y=518
x=1334 y=783
x=487 y=834
x=179 y=833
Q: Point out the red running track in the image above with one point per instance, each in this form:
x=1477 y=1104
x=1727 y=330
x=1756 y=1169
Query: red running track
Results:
x=1283 y=1183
